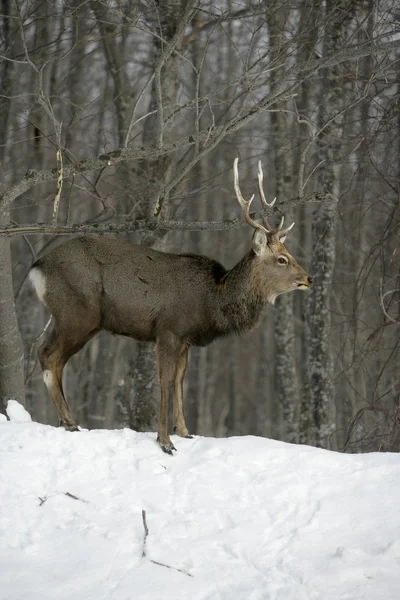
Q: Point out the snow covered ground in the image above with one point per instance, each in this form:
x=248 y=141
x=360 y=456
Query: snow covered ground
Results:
x=228 y=519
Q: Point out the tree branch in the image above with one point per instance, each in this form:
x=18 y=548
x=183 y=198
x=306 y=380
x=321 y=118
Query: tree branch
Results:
x=153 y=223
x=290 y=81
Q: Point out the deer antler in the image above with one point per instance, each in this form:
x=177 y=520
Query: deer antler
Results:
x=245 y=204
x=275 y=232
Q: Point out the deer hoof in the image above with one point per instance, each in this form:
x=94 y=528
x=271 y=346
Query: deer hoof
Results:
x=167 y=448
x=184 y=434
x=70 y=426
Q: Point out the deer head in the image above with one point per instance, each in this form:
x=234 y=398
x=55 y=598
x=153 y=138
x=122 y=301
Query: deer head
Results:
x=278 y=272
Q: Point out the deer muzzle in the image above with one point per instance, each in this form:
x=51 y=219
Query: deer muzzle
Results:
x=305 y=283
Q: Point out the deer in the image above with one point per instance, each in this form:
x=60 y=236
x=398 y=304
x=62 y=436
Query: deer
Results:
x=175 y=301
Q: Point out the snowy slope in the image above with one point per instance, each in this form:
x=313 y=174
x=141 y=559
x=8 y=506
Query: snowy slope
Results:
x=232 y=519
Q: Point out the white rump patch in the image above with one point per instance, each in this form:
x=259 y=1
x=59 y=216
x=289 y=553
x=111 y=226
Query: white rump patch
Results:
x=39 y=283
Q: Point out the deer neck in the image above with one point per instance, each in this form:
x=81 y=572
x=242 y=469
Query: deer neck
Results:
x=241 y=302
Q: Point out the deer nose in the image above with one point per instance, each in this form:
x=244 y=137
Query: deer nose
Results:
x=309 y=279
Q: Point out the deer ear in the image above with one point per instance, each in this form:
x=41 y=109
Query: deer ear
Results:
x=260 y=242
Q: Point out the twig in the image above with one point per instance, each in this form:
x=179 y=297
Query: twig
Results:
x=144 y=552
x=59 y=185
x=45 y=498
x=75 y=497
x=382 y=303
x=301 y=185
x=146 y=533
x=47 y=106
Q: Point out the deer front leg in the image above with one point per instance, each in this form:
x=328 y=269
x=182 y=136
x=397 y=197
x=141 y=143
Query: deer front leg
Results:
x=179 y=417
x=169 y=349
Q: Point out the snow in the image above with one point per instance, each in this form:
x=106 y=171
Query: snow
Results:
x=17 y=413
x=242 y=518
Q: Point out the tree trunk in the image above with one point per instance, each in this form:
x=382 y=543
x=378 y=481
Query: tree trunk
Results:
x=157 y=172
x=11 y=349
x=286 y=384
x=109 y=27
x=11 y=352
x=324 y=229
x=307 y=42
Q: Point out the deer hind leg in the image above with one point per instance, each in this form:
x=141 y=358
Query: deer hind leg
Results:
x=169 y=350
x=53 y=356
x=179 y=417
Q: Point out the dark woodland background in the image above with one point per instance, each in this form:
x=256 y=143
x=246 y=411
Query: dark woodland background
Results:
x=181 y=88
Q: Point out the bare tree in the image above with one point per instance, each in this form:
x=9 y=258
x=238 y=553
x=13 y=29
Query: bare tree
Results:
x=124 y=118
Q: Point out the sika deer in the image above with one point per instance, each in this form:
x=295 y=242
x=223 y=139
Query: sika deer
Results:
x=175 y=300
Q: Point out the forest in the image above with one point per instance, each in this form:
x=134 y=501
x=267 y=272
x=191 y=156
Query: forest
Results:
x=124 y=118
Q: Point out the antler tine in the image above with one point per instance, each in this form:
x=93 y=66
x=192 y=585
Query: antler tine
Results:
x=260 y=187
x=281 y=233
x=262 y=196
x=284 y=232
x=245 y=204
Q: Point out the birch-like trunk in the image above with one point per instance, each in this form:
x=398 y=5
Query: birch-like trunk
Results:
x=307 y=41
x=330 y=102
x=286 y=383
x=354 y=393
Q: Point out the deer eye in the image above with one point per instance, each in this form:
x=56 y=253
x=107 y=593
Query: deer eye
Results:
x=282 y=260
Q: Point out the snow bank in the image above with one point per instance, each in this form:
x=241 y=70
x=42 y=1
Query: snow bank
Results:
x=228 y=519
x=16 y=412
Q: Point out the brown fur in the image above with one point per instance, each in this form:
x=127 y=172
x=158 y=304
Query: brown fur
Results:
x=175 y=300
